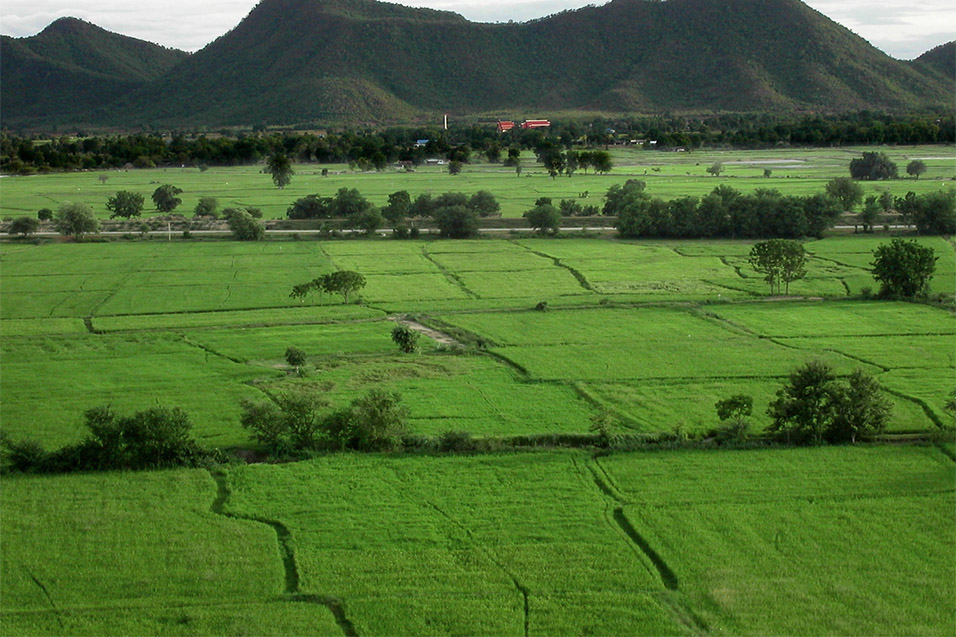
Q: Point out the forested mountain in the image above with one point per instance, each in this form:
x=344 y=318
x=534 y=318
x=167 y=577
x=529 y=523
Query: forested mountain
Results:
x=941 y=59
x=294 y=61
x=73 y=66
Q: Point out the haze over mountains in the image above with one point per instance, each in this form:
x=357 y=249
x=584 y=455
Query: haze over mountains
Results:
x=293 y=61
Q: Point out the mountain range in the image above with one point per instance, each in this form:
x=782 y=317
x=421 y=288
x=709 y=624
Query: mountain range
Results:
x=292 y=61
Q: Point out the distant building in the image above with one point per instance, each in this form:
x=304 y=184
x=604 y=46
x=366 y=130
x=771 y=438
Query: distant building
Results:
x=421 y=142
x=504 y=126
x=536 y=123
x=434 y=162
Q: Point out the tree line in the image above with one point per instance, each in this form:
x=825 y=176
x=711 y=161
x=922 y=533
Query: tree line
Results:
x=377 y=148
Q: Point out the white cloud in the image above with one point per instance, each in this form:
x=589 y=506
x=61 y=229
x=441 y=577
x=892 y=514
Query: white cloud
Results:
x=900 y=29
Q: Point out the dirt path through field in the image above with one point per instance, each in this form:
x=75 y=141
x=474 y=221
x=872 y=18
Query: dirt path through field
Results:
x=435 y=335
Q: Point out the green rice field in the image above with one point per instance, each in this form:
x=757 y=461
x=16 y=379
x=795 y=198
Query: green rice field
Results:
x=668 y=175
x=671 y=541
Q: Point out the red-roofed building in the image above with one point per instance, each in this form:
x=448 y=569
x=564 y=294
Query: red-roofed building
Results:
x=505 y=126
x=535 y=123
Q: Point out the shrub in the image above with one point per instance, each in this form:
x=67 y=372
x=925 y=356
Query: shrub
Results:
x=455 y=442
x=44 y=214
x=207 y=207
x=295 y=357
x=245 y=228
x=378 y=421
x=903 y=268
x=406 y=338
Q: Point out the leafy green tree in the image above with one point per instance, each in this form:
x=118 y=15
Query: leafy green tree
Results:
x=456 y=222
x=125 y=204
x=207 y=207
x=344 y=282
x=310 y=207
x=368 y=221
x=295 y=357
x=780 y=260
x=454 y=167
x=804 y=408
x=378 y=421
x=846 y=191
x=484 y=204
x=279 y=166
x=715 y=169
x=75 y=219
x=293 y=422
x=870 y=214
x=859 y=409
x=347 y=203
x=619 y=196
x=165 y=199
x=44 y=214
x=936 y=212
x=601 y=161
x=733 y=413
x=244 y=226
x=873 y=166
x=916 y=168
x=406 y=338
x=24 y=226
x=399 y=206
x=545 y=219
x=903 y=268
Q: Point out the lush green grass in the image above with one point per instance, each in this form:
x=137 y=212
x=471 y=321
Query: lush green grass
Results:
x=668 y=175
x=139 y=554
x=48 y=382
x=728 y=532
x=771 y=543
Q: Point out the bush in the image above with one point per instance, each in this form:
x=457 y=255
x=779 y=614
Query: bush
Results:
x=873 y=166
x=44 y=214
x=207 y=207
x=246 y=228
x=455 y=442
x=75 y=219
x=406 y=338
x=154 y=438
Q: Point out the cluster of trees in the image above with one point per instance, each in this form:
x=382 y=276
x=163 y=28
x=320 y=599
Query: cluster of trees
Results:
x=558 y=161
x=343 y=282
x=154 y=438
x=813 y=407
x=294 y=423
x=725 y=212
x=903 y=268
x=455 y=213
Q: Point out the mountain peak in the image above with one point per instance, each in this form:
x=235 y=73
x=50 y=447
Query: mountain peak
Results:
x=69 y=26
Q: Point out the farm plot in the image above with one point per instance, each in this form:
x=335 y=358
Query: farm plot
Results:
x=139 y=554
x=48 y=382
x=770 y=543
x=656 y=368
x=646 y=543
x=497 y=553
x=445 y=393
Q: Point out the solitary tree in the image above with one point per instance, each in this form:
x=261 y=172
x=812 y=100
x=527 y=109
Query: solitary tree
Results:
x=780 y=260
x=125 y=204
x=903 y=268
x=295 y=357
x=716 y=169
x=75 y=219
x=870 y=214
x=846 y=191
x=165 y=197
x=280 y=167
x=915 y=168
x=44 y=214
x=454 y=167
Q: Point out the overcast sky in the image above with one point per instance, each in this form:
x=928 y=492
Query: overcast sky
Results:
x=901 y=29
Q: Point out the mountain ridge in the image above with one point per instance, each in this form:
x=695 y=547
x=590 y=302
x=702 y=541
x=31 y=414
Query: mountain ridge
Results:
x=365 y=61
